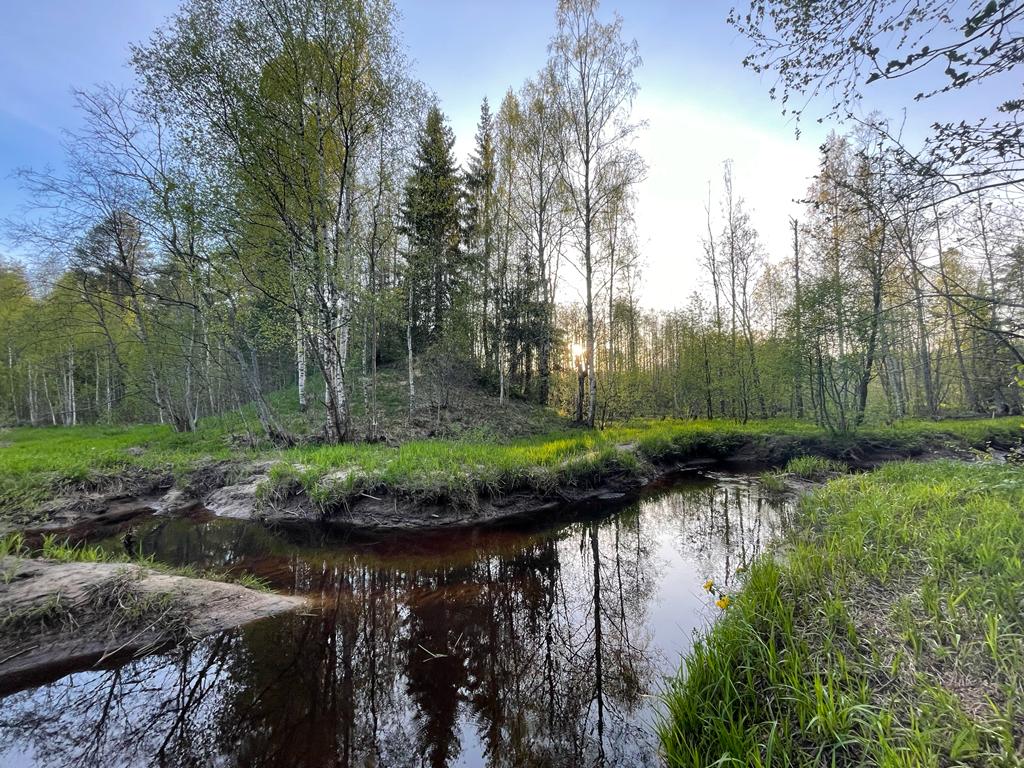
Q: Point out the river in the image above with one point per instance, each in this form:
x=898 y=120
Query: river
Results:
x=496 y=647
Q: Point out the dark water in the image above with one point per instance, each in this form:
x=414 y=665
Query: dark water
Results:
x=488 y=648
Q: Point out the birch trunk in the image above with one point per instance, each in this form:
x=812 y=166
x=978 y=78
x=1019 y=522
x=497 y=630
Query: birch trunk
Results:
x=300 y=360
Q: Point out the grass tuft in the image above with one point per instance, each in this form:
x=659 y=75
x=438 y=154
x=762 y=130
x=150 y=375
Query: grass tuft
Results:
x=814 y=467
x=773 y=482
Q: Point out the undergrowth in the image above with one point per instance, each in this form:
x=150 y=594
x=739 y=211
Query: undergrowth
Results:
x=891 y=633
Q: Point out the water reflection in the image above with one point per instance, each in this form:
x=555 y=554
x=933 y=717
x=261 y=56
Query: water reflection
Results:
x=485 y=649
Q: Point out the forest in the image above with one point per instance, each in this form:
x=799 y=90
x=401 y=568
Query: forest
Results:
x=323 y=442
x=277 y=203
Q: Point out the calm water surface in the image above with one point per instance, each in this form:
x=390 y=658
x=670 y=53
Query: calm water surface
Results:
x=477 y=649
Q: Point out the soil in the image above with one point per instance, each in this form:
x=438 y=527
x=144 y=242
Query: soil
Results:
x=230 y=489
x=386 y=512
x=128 y=495
x=371 y=515
x=57 y=616
x=114 y=503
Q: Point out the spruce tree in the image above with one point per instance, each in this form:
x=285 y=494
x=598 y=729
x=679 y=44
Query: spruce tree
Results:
x=480 y=219
x=432 y=220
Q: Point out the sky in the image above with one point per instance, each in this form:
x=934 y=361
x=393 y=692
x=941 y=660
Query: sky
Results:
x=701 y=106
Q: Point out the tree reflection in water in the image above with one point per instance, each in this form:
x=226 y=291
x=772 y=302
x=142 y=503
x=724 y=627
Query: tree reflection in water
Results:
x=504 y=649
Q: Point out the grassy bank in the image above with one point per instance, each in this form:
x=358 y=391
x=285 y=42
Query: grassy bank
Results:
x=37 y=464
x=890 y=632
x=40 y=463
x=460 y=471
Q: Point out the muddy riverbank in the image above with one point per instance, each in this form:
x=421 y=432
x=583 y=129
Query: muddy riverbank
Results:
x=272 y=491
x=57 y=616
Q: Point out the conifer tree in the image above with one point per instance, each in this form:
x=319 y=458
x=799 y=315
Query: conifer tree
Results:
x=480 y=214
x=432 y=220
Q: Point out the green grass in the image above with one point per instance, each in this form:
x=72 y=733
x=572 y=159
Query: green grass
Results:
x=774 y=482
x=891 y=633
x=12 y=544
x=37 y=464
x=59 y=549
x=458 y=471
x=40 y=463
x=814 y=467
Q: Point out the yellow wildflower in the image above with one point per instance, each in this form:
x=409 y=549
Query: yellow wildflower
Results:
x=723 y=602
x=709 y=585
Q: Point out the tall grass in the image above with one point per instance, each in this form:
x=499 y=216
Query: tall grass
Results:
x=814 y=467
x=12 y=545
x=891 y=634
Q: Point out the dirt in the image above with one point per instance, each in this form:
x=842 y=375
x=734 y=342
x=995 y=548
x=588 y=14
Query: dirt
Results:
x=56 y=616
x=238 y=501
x=112 y=499
x=392 y=513
x=385 y=511
x=112 y=503
x=230 y=489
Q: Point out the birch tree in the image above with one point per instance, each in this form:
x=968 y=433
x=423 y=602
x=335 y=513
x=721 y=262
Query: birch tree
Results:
x=593 y=69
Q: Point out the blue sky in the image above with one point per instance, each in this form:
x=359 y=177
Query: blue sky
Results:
x=702 y=106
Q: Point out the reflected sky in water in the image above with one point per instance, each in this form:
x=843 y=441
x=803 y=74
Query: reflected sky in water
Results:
x=486 y=648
